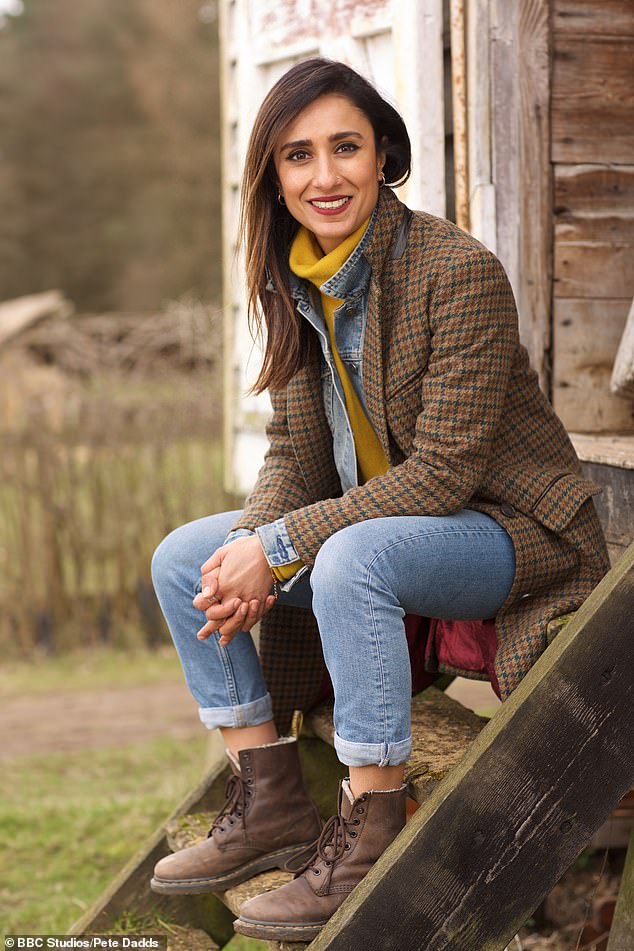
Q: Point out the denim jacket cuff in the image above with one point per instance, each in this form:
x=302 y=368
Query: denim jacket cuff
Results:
x=276 y=543
x=237 y=533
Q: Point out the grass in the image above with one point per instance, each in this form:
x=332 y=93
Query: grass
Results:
x=87 y=670
x=69 y=822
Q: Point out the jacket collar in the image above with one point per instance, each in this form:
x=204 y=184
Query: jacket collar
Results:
x=388 y=243
x=385 y=238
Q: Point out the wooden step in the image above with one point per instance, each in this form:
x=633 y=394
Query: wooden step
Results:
x=442 y=732
x=179 y=937
x=184 y=938
x=498 y=833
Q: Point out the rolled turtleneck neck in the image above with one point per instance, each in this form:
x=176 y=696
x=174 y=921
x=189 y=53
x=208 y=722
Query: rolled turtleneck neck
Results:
x=308 y=261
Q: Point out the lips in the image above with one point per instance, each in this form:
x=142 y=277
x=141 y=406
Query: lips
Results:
x=330 y=204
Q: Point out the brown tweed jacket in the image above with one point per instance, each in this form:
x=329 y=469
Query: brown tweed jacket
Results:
x=463 y=422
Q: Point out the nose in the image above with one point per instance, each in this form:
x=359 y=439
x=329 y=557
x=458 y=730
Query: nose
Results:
x=326 y=173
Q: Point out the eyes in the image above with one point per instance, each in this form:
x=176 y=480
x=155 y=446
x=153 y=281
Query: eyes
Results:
x=301 y=155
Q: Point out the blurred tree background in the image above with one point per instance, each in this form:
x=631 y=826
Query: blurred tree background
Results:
x=109 y=152
x=110 y=412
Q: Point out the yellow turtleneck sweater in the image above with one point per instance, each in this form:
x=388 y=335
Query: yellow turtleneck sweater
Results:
x=308 y=261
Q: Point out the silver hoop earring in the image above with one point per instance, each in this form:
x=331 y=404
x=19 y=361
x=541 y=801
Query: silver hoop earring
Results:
x=381 y=179
x=280 y=198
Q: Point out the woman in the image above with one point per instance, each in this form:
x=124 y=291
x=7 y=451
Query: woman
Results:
x=414 y=467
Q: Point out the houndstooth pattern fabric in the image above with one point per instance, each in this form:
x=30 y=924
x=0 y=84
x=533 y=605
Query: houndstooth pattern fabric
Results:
x=463 y=422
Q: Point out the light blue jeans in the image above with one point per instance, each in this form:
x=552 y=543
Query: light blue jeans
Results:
x=365 y=579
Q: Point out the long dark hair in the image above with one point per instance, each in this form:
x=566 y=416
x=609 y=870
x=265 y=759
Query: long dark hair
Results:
x=267 y=228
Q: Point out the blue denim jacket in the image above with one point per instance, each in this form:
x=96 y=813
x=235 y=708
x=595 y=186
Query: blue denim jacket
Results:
x=351 y=285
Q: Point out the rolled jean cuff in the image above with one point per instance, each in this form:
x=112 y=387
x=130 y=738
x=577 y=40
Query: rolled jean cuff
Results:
x=373 y=754
x=247 y=714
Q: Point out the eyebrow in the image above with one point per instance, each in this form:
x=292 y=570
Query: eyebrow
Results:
x=335 y=137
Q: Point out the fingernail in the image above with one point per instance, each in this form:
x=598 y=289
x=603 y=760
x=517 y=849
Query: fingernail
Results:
x=206 y=592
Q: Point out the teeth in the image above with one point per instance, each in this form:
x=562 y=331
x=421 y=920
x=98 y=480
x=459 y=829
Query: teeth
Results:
x=330 y=204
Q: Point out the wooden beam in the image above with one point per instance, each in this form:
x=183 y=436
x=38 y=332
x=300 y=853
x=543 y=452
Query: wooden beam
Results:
x=623 y=373
x=418 y=73
x=459 y=112
x=505 y=109
x=130 y=889
x=499 y=832
x=535 y=181
x=520 y=98
x=622 y=930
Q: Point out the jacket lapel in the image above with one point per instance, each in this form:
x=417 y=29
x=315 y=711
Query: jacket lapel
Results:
x=388 y=241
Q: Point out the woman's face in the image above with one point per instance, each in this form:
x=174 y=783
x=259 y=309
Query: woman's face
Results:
x=328 y=169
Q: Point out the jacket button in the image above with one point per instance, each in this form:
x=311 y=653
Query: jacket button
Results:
x=507 y=509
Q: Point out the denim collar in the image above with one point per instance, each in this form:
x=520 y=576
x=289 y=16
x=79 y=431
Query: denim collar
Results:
x=387 y=233
x=350 y=281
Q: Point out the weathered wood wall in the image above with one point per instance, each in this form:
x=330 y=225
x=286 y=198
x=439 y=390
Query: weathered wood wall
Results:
x=592 y=150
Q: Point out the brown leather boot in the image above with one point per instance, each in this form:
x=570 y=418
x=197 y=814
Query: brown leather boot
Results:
x=348 y=847
x=268 y=818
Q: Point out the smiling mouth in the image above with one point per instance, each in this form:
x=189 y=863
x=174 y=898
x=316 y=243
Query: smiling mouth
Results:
x=330 y=204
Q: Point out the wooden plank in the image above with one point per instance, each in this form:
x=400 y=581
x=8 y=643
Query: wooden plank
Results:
x=615 y=505
x=481 y=189
x=535 y=279
x=130 y=889
x=459 y=112
x=520 y=92
x=586 y=336
x=592 y=99
x=594 y=203
x=593 y=269
x=505 y=111
x=442 y=731
x=594 y=17
x=417 y=33
x=622 y=930
x=605 y=449
x=622 y=381
x=501 y=829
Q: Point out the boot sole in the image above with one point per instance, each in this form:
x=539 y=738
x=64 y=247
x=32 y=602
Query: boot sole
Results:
x=220 y=883
x=285 y=931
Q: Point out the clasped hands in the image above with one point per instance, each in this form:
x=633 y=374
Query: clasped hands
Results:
x=236 y=589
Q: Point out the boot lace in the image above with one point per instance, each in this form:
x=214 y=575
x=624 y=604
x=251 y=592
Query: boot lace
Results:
x=329 y=847
x=235 y=805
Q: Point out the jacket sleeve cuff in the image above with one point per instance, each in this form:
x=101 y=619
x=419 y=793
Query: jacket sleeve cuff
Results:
x=237 y=533
x=276 y=543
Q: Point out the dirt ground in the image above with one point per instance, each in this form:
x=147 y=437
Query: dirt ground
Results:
x=64 y=722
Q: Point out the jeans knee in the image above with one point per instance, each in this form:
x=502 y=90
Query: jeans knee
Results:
x=337 y=562
x=182 y=552
x=164 y=561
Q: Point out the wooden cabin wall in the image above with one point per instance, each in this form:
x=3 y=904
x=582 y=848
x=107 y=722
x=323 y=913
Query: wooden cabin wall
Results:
x=592 y=152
